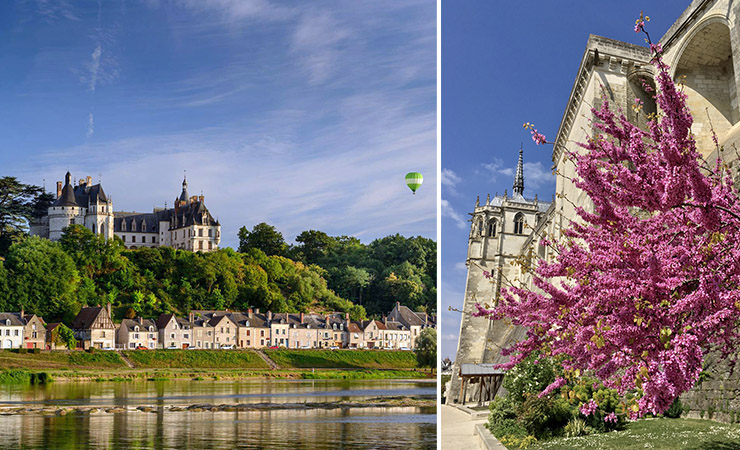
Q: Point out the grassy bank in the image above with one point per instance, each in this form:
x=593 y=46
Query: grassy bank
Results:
x=343 y=359
x=60 y=359
x=196 y=359
x=668 y=434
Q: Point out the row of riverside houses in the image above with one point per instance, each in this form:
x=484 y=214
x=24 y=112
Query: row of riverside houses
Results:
x=205 y=329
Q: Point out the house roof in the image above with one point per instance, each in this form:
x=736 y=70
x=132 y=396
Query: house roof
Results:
x=132 y=323
x=86 y=317
x=408 y=317
x=164 y=319
x=353 y=328
x=15 y=319
x=479 y=369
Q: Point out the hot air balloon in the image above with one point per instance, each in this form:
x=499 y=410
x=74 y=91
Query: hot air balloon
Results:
x=414 y=180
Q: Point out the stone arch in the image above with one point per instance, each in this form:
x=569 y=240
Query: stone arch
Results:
x=492 y=228
x=704 y=64
x=519 y=223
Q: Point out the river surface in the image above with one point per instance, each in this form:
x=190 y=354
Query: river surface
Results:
x=345 y=428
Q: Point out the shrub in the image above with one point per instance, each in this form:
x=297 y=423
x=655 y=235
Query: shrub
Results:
x=22 y=350
x=675 y=410
x=543 y=417
x=36 y=351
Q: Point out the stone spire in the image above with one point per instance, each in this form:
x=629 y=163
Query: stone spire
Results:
x=184 y=195
x=519 y=178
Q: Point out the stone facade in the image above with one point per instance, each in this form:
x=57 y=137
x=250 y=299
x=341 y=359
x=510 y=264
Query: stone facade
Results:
x=703 y=50
x=188 y=225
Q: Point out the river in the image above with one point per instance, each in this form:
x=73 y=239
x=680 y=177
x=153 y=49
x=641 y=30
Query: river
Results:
x=162 y=428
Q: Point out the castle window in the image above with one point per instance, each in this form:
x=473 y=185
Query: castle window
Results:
x=133 y=225
x=123 y=238
x=123 y=225
x=200 y=245
x=154 y=239
x=93 y=229
x=200 y=232
x=519 y=223
x=492 y=228
x=143 y=226
x=210 y=232
x=210 y=245
x=133 y=238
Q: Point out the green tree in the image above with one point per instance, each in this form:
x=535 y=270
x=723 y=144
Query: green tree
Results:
x=63 y=335
x=263 y=237
x=426 y=348
x=43 y=279
x=17 y=207
x=314 y=246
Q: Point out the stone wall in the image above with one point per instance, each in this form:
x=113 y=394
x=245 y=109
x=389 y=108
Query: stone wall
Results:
x=716 y=397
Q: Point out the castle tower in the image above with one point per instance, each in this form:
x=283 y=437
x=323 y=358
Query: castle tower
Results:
x=500 y=229
x=65 y=211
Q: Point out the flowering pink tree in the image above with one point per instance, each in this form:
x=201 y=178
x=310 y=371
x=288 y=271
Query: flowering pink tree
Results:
x=646 y=284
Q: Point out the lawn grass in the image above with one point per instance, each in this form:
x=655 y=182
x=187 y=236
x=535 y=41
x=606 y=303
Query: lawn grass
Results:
x=673 y=434
x=343 y=359
x=200 y=359
x=59 y=359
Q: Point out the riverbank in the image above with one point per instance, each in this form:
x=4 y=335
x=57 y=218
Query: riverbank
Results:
x=156 y=365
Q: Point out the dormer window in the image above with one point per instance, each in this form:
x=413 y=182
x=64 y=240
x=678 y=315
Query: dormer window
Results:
x=123 y=225
x=7 y=322
x=151 y=328
x=143 y=226
x=133 y=225
x=136 y=328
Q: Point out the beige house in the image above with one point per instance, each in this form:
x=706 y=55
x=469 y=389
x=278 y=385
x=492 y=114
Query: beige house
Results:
x=372 y=333
x=174 y=332
x=278 y=329
x=355 y=336
x=94 y=328
x=254 y=332
x=224 y=331
x=137 y=333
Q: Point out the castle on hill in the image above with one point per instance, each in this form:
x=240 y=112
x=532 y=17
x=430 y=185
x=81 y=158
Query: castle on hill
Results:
x=187 y=226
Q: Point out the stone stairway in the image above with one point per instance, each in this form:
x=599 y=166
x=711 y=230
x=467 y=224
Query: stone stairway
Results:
x=267 y=359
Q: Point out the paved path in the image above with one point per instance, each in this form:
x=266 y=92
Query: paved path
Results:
x=126 y=360
x=458 y=430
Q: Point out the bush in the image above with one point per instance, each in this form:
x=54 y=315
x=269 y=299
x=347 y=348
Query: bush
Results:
x=675 y=410
x=36 y=351
x=543 y=417
x=22 y=350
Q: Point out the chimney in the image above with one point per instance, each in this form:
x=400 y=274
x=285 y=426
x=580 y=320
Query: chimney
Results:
x=269 y=316
x=302 y=316
x=141 y=320
x=89 y=180
x=346 y=317
x=249 y=312
x=385 y=320
x=191 y=317
x=23 y=313
x=256 y=310
x=59 y=189
x=107 y=308
x=82 y=182
x=327 y=321
x=193 y=199
x=201 y=198
x=398 y=306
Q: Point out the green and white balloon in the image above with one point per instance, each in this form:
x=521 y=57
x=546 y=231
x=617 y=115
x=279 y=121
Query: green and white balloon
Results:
x=414 y=180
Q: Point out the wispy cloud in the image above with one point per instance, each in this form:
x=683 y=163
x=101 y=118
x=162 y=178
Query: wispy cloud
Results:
x=316 y=41
x=450 y=180
x=535 y=173
x=461 y=266
x=93 y=67
x=50 y=11
x=90 y=125
x=449 y=211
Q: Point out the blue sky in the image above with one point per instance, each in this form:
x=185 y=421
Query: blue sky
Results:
x=504 y=64
x=306 y=115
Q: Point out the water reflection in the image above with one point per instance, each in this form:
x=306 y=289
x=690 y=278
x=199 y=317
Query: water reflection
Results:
x=366 y=428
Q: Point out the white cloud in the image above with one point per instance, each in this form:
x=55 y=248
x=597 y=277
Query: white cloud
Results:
x=90 y=125
x=50 y=11
x=316 y=40
x=461 y=266
x=535 y=173
x=449 y=211
x=450 y=180
x=94 y=67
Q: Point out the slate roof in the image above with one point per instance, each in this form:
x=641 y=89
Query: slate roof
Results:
x=480 y=369
x=86 y=317
x=15 y=319
x=132 y=323
x=395 y=326
x=164 y=319
x=194 y=213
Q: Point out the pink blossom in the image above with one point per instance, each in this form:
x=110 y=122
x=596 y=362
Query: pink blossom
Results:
x=644 y=283
x=611 y=417
x=589 y=408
